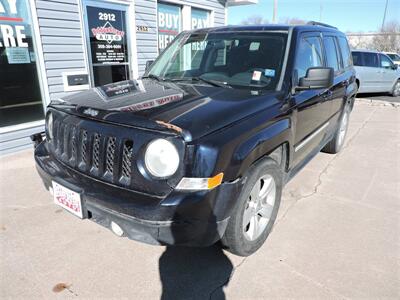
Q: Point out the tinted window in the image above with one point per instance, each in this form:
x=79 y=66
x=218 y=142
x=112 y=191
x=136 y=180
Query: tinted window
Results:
x=331 y=54
x=385 y=61
x=357 y=58
x=309 y=55
x=345 y=50
x=370 y=59
x=394 y=56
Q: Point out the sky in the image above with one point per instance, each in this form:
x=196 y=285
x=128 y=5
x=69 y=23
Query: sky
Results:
x=347 y=15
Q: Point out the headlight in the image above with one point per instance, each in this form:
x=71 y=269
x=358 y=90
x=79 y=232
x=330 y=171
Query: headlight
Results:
x=49 y=126
x=161 y=158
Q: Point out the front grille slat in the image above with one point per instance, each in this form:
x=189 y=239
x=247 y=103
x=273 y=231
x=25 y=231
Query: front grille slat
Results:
x=96 y=152
x=108 y=156
x=127 y=153
x=83 y=153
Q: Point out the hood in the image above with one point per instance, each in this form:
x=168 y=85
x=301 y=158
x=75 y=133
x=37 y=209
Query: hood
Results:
x=193 y=110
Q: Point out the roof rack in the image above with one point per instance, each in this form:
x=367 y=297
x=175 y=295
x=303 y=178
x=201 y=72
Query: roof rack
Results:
x=320 y=24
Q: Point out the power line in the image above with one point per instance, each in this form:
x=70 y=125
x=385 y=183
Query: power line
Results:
x=384 y=15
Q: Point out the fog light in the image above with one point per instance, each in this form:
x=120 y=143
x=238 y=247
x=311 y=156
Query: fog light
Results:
x=116 y=229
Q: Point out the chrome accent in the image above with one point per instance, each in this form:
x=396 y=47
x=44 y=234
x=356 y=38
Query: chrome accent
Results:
x=313 y=135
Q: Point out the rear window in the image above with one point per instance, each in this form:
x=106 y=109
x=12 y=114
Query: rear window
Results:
x=345 y=50
x=331 y=54
x=371 y=60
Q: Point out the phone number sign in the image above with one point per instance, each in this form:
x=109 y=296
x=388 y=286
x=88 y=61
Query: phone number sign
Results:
x=107 y=35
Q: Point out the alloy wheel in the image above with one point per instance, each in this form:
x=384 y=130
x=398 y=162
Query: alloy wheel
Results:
x=259 y=207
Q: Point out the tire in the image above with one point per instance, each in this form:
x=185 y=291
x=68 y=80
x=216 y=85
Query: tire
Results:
x=336 y=143
x=265 y=177
x=396 y=89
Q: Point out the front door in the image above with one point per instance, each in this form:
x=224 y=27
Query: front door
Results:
x=388 y=73
x=107 y=40
x=312 y=106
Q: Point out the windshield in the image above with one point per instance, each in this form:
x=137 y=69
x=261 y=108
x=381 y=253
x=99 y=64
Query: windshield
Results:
x=234 y=59
x=394 y=56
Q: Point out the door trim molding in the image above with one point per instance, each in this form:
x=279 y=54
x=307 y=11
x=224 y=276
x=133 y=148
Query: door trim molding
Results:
x=310 y=137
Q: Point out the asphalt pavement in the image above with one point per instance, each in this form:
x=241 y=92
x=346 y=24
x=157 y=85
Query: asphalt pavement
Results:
x=337 y=235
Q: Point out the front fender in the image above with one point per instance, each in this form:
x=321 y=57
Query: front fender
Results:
x=235 y=148
x=262 y=143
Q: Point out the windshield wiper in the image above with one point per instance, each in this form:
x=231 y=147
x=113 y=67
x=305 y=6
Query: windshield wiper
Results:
x=152 y=76
x=199 y=78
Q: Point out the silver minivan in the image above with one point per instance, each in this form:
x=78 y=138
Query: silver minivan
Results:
x=376 y=73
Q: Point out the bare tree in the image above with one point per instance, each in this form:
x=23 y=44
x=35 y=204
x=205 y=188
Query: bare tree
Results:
x=388 y=38
x=258 y=19
x=254 y=20
x=360 y=40
x=293 y=21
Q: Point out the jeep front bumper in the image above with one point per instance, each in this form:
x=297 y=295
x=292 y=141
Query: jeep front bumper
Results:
x=181 y=218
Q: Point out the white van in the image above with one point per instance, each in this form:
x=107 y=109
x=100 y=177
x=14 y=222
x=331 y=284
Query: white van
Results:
x=376 y=73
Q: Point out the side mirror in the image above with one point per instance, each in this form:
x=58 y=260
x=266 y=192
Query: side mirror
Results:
x=148 y=64
x=395 y=67
x=316 y=78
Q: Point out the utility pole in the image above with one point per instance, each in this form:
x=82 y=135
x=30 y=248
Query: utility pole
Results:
x=320 y=11
x=275 y=12
x=384 y=15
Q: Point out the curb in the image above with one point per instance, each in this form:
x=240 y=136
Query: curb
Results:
x=377 y=102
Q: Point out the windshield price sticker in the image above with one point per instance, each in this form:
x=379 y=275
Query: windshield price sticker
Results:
x=269 y=73
x=107 y=35
x=256 y=76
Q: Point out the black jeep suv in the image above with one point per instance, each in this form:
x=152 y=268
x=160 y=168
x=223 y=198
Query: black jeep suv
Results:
x=199 y=149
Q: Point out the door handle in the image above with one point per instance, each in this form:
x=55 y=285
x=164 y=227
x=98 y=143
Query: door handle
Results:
x=327 y=95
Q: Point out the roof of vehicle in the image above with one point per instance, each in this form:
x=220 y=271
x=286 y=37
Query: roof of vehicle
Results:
x=269 y=27
x=365 y=50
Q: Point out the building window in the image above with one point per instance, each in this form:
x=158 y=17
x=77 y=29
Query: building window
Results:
x=108 y=44
x=200 y=18
x=169 y=23
x=20 y=96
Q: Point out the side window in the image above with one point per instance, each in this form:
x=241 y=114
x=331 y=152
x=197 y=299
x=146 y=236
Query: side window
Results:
x=385 y=62
x=357 y=58
x=309 y=55
x=345 y=50
x=370 y=59
x=331 y=53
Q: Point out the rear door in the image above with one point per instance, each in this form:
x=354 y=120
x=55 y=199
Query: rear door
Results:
x=388 y=73
x=333 y=60
x=370 y=73
x=312 y=108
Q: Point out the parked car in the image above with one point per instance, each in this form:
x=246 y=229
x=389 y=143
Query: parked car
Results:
x=376 y=73
x=394 y=57
x=201 y=147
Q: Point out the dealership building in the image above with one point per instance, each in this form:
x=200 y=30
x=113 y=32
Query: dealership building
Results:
x=53 y=48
